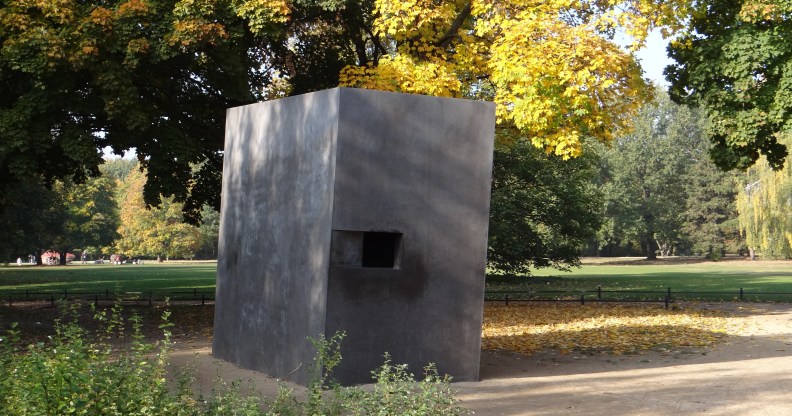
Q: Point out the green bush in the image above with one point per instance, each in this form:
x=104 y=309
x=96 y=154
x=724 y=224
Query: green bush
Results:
x=70 y=375
x=74 y=374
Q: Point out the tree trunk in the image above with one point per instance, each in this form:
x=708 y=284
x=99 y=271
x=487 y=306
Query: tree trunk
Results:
x=651 y=250
x=63 y=256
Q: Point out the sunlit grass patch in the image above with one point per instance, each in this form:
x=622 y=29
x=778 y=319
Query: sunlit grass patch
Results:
x=611 y=328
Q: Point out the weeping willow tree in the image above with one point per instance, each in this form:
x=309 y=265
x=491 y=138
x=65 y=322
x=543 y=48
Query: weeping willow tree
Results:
x=764 y=204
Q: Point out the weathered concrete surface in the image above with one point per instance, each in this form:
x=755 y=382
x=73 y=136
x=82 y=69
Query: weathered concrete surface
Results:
x=420 y=166
x=274 y=232
x=357 y=211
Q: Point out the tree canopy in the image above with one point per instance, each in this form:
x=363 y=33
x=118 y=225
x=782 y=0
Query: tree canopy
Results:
x=151 y=75
x=157 y=75
x=548 y=65
x=543 y=209
x=734 y=60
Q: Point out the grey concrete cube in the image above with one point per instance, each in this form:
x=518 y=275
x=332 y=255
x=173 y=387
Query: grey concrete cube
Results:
x=359 y=211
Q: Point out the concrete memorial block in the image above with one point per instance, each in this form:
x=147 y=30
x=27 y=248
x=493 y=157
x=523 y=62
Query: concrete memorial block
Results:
x=359 y=211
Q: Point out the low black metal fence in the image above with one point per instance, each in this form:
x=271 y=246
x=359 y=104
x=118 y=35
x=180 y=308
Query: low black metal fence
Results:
x=149 y=297
x=599 y=294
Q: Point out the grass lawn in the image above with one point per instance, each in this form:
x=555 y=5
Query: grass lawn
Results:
x=679 y=274
x=158 y=277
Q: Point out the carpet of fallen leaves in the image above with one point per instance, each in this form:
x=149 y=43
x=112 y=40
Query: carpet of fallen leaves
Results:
x=607 y=328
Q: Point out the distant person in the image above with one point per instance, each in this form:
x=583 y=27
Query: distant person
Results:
x=84 y=256
x=19 y=261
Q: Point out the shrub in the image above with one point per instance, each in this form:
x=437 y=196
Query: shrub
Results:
x=70 y=375
x=74 y=374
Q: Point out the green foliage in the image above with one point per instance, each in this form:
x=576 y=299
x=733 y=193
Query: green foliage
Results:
x=154 y=75
x=71 y=374
x=117 y=168
x=157 y=76
x=711 y=219
x=31 y=217
x=91 y=214
x=76 y=374
x=650 y=199
x=733 y=61
x=397 y=393
x=543 y=208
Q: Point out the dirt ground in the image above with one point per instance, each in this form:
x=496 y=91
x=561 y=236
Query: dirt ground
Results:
x=747 y=375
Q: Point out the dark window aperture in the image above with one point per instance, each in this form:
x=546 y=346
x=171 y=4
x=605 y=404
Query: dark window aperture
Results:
x=381 y=249
x=368 y=249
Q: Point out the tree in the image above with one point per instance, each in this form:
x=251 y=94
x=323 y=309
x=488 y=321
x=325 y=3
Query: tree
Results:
x=543 y=209
x=117 y=169
x=711 y=219
x=32 y=219
x=152 y=232
x=209 y=232
x=151 y=75
x=734 y=60
x=157 y=75
x=90 y=215
x=645 y=193
x=548 y=65
x=765 y=213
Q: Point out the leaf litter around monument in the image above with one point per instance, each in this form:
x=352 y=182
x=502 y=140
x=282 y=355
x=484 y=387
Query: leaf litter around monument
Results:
x=607 y=328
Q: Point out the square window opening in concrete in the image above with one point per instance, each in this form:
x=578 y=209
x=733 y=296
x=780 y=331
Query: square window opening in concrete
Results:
x=381 y=250
x=366 y=249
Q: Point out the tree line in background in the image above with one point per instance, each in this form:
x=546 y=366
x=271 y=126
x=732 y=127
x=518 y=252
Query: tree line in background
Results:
x=101 y=217
x=651 y=192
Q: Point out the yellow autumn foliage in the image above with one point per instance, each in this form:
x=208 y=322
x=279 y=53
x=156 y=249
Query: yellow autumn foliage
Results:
x=612 y=328
x=548 y=65
x=765 y=208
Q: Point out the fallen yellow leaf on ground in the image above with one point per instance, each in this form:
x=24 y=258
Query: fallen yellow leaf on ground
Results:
x=611 y=328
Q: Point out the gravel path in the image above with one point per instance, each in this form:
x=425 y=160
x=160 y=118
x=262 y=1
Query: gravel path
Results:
x=748 y=375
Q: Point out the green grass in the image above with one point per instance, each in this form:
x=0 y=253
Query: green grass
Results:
x=100 y=277
x=755 y=278
x=759 y=277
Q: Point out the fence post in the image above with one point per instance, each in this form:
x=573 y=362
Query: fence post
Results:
x=96 y=299
x=65 y=294
x=599 y=292
x=668 y=293
x=107 y=294
x=741 y=294
x=582 y=298
x=52 y=300
x=203 y=299
x=507 y=299
x=667 y=301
